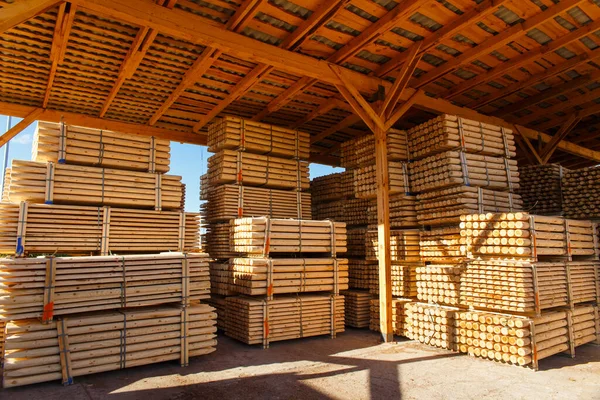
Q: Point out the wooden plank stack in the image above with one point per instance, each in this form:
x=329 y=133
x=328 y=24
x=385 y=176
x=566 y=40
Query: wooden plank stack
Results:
x=66 y=144
x=542 y=188
x=221 y=275
x=398 y=316
x=441 y=245
x=50 y=183
x=93 y=298
x=358 y=305
x=431 y=324
x=332 y=187
x=363 y=274
x=580 y=193
x=360 y=152
x=354 y=212
x=356 y=244
x=403 y=212
x=259 y=321
x=404 y=245
x=97 y=342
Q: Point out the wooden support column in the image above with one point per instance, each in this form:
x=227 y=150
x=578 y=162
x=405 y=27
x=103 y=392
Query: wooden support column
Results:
x=383 y=236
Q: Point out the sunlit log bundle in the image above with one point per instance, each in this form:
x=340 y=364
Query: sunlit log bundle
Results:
x=398 y=316
x=404 y=280
x=332 y=187
x=360 y=152
x=431 y=324
x=365 y=180
x=356 y=243
x=441 y=245
x=220 y=278
x=357 y=308
x=350 y=211
x=218 y=241
x=234 y=133
x=362 y=273
x=404 y=245
x=403 y=213
x=439 y=284
x=99 y=148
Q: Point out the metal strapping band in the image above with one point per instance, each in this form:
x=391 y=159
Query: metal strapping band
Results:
x=301 y=313
x=267 y=238
x=270 y=288
x=152 y=155
x=21 y=228
x=101 y=148
x=333 y=239
x=48 y=310
x=239 y=167
x=482 y=137
x=102 y=201
x=407 y=190
x=480 y=200
x=49 y=183
x=336 y=276
x=62 y=142
x=240 y=213
x=332 y=315
x=265 y=324
x=461 y=135
x=505 y=142
x=300 y=236
x=123 y=352
x=508 y=176
x=68 y=379
x=297 y=149
x=465 y=169
x=243 y=136
x=123 y=284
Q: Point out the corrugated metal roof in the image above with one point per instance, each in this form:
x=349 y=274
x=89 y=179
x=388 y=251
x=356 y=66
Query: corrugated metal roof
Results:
x=544 y=104
x=499 y=55
x=432 y=60
x=565 y=53
x=387 y=4
x=263 y=37
x=425 y=22
x=211 y=6
x=509 y=78
x=326 y=42
x=357 y=68
x=539 y=3
x=407 y=34
x=539 y=36
x=593 y=86
x=481 y=64
x=562 y=97
x=336 y=26
x=376 y=58
x=390 y=45
x=564 y=23
x=450 y=7
x=486 y=28
x=361 y=13
x=508 y=16
x=542 y=86
x=496 y=85
x=573 y=74
x=445 y=83
x=274 y=21
x=463 y=39
x=292 y=8
x=589 y=43
x=464 y=74
x=448 y=50
x=579 y=16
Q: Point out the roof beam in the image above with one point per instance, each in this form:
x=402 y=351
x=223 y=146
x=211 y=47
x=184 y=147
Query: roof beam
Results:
x=343 y=124
x=586 y=112
x=324 y=108
x=27 y=120
x=564 y=130
x=497 y=41
x=133 y=58
x=527 y=146
x=243 y=15
x=196 y=71
x=13 y=14
x=475 y=14
x=17 y=110
x=391 y=98
x=184 y=25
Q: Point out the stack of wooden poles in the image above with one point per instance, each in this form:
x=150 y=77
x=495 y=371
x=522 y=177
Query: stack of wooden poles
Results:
x=109 y=301
x=542 y=188
x=257 y=170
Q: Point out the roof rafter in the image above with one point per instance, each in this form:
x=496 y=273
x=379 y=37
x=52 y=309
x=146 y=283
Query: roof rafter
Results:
x=564 y=130
x=13 y=14
x=28 y=119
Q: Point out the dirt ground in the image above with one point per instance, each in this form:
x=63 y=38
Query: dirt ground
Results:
x=353 y=366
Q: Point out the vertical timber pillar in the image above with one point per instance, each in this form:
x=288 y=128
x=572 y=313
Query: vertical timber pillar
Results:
x=383 y=236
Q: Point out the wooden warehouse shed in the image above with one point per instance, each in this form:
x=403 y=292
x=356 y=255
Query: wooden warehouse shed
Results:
x=337 y=69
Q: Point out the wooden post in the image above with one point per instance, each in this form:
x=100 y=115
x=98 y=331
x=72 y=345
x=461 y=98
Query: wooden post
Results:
x=383 y=236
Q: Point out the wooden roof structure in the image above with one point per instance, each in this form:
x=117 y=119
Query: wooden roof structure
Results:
x=168 y=67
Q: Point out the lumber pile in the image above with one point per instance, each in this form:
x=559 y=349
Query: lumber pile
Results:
x=441 y=245
x=67 y=144
x=271 y=276
x=262 y=321
x=50 y=183
x=365 y=180
x=218 y=241
x=219 y=303
x=357 y=308
x=458 y=168
x=221 y=276
x=49 y=229
x=580 y=193
x=331 y=187
x=247 y=169
x=445 y=206
x=403 y=213
x=404 y=245
x=232 y=133
x=439 y=284
x=105 y=341
x=360 y=152
x=353 y=212
x=404 y=280
x=48 y=286
x=430 y=324
x=356 y=242
x=525 y=235
x=398 y=316
x=449 y=132
x=542 y=188
x=363 y=274
x=264 y=236
x=226 y=202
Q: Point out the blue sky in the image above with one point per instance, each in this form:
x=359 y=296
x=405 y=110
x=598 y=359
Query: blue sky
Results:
x=187 y=160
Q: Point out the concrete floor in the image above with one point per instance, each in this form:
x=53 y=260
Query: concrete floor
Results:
x=353 y=366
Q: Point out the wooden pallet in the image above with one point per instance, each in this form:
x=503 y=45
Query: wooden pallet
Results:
x=76 y=230
x=234 y=133
x=448 y=132
x=227 y=202
x=105 y=341
x=458 y=168
x=76 y=145
x=229 y=166
x=263 y=236
x=273 y=276
x=49 y=183
x=256 y=321
x=56 y=286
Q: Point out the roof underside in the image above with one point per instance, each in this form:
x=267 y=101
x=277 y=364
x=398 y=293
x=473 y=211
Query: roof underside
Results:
x=532 y=62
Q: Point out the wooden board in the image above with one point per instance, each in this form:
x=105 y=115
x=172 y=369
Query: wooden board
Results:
x=56 y=286
x=94 y=147
x=49 y=183
x=541 y=188
x=234 y=133
x=227 y=202
x=273 y=276
x=449 y=132
x=256 y=321
x=229 y=166
x=76 y=230
x=360 y=152
x=105 y=341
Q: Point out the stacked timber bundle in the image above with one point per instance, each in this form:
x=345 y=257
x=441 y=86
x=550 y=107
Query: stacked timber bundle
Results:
x=403 y=213
x=365 y=180
x=439 y=284
x=221 y=276
x=247 y=169
x=404 y=280
x=360 y=152
x=363 y=274
x=50 y=183
x=259 y=321
x=105 y=341
x=525 y=235
x=219 y=303
x=356 y=242
x=264 y=236
x=448 y=132
x=580 y=193
x=431 y=324
x=441 y=245
x=445 y=206
x=218 y=241
x=49 y=229
x=541 y=188
x=234 y=133
x=331 y=187
x=404 y=245
x=66 y=144
x=456 y=168
x=271 y=276
x=228 y=202
x=354 y=212
x=6 y=186
x=398 y=316
x=80 y=284
x=358 y=305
